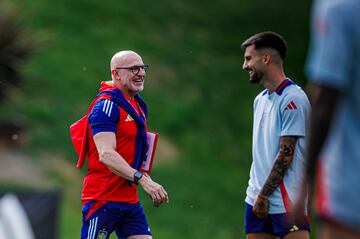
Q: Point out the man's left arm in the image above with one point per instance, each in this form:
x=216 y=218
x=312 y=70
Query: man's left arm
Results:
x=283 y=161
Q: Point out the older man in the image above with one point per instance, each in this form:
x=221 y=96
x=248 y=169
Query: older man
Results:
x=117 y=145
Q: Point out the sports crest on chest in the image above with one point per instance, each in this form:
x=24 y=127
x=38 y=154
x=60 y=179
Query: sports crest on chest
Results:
x=102 y=234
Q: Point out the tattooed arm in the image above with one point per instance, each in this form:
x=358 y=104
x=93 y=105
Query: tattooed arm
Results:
x=277 y=173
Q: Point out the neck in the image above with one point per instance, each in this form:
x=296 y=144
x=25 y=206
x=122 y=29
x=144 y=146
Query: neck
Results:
x=129 y=94
x=126 y=92
x=273 y=80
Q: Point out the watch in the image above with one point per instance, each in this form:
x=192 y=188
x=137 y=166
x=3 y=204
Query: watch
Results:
x=137 y=176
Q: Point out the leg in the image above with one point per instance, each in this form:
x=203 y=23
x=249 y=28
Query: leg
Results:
x=334 y=231
x=96 y=223
x=140 y=237
x=283 y=228
x=260 y=235
x=256 y=228
x=95 y=228
x=134 y=224
x=303 y=234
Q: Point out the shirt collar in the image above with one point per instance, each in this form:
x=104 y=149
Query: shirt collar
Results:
x=287 y=82
x=279 y=90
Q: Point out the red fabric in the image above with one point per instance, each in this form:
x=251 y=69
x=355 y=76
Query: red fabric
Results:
x=285 y=197
x=281 y=86
x=293 y=104
x=322 y=201
x=100 y=183
x=79 y=133
x=94 y=207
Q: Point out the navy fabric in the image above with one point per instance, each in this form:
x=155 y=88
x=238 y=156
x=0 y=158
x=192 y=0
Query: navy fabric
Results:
x=275 y=224
x=104 y=120
x=141 y=139
x=283 y=85
x=124 y=219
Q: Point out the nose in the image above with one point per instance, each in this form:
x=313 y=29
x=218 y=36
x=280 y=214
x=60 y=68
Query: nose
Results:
x=245 y=65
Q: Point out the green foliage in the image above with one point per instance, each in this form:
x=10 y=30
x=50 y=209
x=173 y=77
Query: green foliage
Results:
x=15 y=47
x=198 y=95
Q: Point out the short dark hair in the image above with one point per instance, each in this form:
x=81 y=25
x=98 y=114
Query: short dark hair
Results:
x=267 y=40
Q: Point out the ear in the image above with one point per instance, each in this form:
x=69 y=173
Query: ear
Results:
x=115 y=74
x=266 y=58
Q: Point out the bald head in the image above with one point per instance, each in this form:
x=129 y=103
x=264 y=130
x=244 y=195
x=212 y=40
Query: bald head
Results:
x=124 y=59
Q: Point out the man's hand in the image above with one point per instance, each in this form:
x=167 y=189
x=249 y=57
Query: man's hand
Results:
x=155 y=190
x=261 y=207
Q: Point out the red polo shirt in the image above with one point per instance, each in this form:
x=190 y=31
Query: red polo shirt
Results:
x=100 y=183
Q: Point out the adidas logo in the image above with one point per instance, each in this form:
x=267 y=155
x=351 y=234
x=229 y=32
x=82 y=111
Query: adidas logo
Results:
x=128 y=118
x=291 y=106
x=294 y=228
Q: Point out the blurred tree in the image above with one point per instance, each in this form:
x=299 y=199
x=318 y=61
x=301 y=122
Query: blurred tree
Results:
x=15 y=46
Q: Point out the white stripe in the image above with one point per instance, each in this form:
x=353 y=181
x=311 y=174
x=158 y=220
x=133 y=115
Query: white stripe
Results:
x=91 y=236
x=95 y=226
x=104 y=106
x=111 y=105
x=90 y=227
x=107 y=106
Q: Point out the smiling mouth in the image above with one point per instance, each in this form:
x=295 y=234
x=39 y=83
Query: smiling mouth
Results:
x=251 y=72
x=138 y=80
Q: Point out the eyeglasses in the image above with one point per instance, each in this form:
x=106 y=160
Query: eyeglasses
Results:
x=135 y=69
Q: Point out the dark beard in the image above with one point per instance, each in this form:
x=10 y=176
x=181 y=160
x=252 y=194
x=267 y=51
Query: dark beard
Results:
x=256 y=78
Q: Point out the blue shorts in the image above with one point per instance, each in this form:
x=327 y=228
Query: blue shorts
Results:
x=123 y=218
x=275 y=224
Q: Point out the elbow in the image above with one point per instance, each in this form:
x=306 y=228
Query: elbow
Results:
x=105 y=157
x=101 y=158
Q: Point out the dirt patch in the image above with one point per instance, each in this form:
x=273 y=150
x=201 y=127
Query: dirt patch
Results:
x=17 y=168
x=166 y=152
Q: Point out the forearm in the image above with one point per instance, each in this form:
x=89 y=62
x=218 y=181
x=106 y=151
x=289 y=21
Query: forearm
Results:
x=106 y=143
x=121 y=168
x=324 y=105
x=117 y=164
x=280 y=167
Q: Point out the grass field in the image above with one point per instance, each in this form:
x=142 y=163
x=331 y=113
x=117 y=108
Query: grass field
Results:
x=199 y=98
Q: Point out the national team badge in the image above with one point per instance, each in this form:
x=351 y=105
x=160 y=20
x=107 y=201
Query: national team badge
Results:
x=102 y=234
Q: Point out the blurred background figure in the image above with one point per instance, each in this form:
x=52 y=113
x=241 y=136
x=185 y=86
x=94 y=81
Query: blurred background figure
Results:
x=14 y=222
x=333 y=154
x=29 y=214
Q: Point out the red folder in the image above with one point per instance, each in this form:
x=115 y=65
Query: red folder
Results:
x=152 y=141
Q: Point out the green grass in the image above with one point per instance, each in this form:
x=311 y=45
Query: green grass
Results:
x=197 y=93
